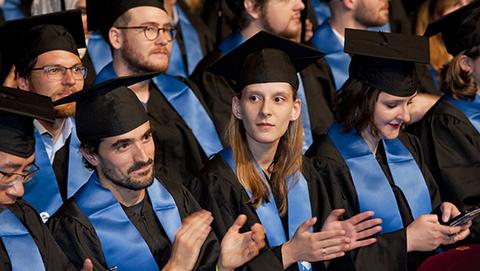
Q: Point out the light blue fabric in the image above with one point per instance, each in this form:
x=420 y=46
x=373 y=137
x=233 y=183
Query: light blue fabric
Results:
x=471 y=109
x=12 y=10
x=99 y=51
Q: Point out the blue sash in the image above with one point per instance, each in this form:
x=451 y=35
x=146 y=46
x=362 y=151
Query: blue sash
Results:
x=99 y=51
x=299 y=208
x=307 y=130
x=12 y=10
x=326 y=41
x=105 y=74
x=176 y=66
x=373 y=189
x=471 y=109
x=322 y=11
x=231 y=42
x=42 y=191
x=184 y=101
x=21 y=249
x=122 y=244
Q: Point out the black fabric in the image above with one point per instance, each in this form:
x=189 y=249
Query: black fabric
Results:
x=77 y=237
x=39 y=34
x=99 y=19
x=390 y=249
x=17 y=111
x=452 y=151
x=220 y=192
x=53 y=258
x=460 y=29
x=386 y=61
x=177 y=151
x=91 y=75
x=317 y=82
x=60 y=168
x=265 y=58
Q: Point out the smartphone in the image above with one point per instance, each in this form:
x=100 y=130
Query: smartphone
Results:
x=463 y=218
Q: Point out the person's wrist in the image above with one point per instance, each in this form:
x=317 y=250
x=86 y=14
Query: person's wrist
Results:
x=288 y=254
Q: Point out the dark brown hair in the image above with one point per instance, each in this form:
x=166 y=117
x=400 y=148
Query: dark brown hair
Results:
x=355 y=105
x=457 y=82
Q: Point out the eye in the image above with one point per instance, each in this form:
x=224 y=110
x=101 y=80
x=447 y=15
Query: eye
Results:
x=122 y=146
x=77 y=69
x=53 y=69
x=279 y=99
x=147 y=137
x=391 y=105
x=254 y=98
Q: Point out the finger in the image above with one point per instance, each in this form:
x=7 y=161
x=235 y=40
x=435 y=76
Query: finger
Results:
x=334 y=216
x=446 y=212
x=369 y=232
x=330 y=243
x=461 y=235
x=238 y=224
x=430 y=218
x=333 y=256
x=323 y=235
x=258 y=233
x=368 y=224
x=305 y=225
x=196 y=225
x=362 y=243
x=360 y=217
x=87 y=265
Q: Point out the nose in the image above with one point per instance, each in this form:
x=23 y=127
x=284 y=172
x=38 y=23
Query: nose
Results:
x=405 y=114
x=141 y=153
x=266 y=109
x=299 y=5
x=162 y=38
x=16 y=190
x=68 y=78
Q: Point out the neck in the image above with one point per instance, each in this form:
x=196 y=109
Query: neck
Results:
x=371 y=140
x=124 y=196
x=263 y=153
x=344 y=20
x=141 y=89
x=251 y=29
x=55 y=128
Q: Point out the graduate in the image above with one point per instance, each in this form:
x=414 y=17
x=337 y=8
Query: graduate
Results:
x=263 y=173
x=449 y=131
x=127 y=218
x=369 y=164
x=25 y=242
x=46 y=59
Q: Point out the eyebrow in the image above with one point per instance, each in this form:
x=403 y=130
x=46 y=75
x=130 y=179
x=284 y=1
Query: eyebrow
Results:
x=10 y=165
x=120 y=142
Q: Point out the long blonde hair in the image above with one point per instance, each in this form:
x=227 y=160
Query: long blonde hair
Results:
x=287 y=161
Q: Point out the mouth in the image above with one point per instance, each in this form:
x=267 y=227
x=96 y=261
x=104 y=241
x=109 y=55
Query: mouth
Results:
x=265 y=125
x=6 y=206
x=395 y=125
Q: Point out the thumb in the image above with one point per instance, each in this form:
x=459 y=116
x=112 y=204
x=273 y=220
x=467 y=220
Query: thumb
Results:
x=87 y=265
x=305 y=225
x=334 y=216
x=238 y=224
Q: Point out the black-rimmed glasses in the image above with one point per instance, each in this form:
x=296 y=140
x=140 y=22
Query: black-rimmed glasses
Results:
x=57 y=72
x=18 y=177
x=151 y=31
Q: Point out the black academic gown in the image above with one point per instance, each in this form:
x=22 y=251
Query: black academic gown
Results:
x=76 y=235
x=178 y=154
x=317 y=81
x=452 y=151
x=222 y=194
x=53 y=257
x=389 y=253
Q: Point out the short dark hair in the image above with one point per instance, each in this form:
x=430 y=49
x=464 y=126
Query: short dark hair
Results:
x=24 y=71
x=239 y=10
x=91 y=147
x=355 y=105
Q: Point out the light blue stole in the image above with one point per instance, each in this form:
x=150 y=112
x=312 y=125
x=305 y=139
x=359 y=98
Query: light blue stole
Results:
x=122 y=244
x=471 y=109
x=326 y=41
x=373 y=189
x=12 y=10
x=187 y=105
x=299 y=208
x=99 y=51
x=21 y=249
x=42 y=191
x=322 y=11
x=231 y=42
x=191 y=41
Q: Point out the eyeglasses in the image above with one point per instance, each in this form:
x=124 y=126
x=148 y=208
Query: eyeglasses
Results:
x=57 y=72
x=6 y=176
x=151 y=31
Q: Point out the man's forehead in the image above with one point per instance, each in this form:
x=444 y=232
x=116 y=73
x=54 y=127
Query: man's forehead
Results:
x=144 y=14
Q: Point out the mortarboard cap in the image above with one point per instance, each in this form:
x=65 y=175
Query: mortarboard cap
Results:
x=108 y=109
x=460 y=29
x=39 y=34
x=265 y=58
x=386 y=61
x=101 y=14
x=17 y=111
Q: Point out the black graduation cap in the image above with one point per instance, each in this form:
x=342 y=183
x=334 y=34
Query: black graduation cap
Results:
x=265 y=58
x=460 y=29
x=17 y=111
x=108 y=109
x=386 y=61
x=101 y=14
x=27 y=38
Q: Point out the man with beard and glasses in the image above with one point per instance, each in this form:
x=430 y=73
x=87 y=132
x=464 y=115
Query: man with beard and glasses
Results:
x=127 y=216
x=356 y=14
x=25 y=242
x=283 y=18
x=140 y=34
x=47 y=62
